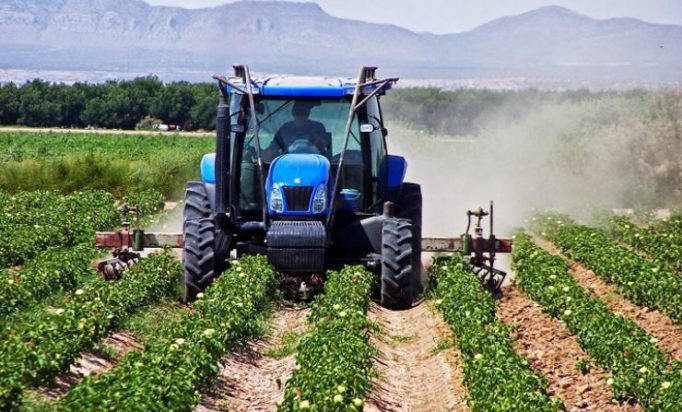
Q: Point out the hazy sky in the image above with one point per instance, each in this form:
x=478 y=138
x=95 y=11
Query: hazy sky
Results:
x=450 y=16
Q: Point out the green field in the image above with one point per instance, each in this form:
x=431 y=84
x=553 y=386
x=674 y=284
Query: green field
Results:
x=117 y=163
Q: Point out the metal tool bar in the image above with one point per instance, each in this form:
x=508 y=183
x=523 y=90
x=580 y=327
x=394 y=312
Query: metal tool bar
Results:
x=454 y=244
x=123 y=239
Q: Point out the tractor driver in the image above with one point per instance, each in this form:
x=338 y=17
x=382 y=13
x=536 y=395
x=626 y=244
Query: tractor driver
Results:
x=300 y=128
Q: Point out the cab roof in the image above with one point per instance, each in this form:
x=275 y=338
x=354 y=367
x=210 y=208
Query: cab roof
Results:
x=315 y=87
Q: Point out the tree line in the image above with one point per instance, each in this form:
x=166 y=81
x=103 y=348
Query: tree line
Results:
x=112 y=105
x=125 y=104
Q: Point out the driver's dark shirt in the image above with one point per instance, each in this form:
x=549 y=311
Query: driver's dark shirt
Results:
x=290 y=131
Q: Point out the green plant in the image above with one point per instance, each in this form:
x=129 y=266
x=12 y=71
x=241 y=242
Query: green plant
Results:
x=184 y=356
x=485 y=344
x=441 y=345
x=644 y=282
x=119 y=164
x=583 y=365
x=52 y=271
x=614 y=342
x=334 y=358
x=288 y=345
x=657 y=241
x=34 y=352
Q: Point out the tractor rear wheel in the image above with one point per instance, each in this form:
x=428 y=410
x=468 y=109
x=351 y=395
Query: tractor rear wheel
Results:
x=409 y=206
x=206 y=245
x=396 y=264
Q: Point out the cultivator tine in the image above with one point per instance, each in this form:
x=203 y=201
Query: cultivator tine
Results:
x=112 y=269
x=491 y=278
x=482 y=252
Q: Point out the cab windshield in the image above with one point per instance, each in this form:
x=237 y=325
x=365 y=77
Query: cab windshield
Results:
x=314 y=126
x=303 y=126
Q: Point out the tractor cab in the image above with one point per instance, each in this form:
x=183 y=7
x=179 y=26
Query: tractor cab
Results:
x=301 y=135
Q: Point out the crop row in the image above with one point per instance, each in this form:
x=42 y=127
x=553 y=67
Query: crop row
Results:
x=334 y=359
x=616 y=343
x=496 y=376
x=643 y=282
x=35 y=351
x=185 y=355
x=662 y=247
x=93 y=208
x=53 y=270
x=33 y=221
x=669 y=226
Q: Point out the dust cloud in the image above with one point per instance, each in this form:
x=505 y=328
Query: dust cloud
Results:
x=547 y=158
x=170 y=222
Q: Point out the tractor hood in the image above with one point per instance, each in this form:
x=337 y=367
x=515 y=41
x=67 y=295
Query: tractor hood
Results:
x=298 y=185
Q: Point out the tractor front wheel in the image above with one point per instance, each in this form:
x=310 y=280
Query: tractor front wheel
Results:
x=396 y=264
x=206 y=245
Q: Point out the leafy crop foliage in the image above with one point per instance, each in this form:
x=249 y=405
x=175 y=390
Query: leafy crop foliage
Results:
x=335 y=358
x=640 y=280
x=670 y=226
x=119 y=164
x=36 y=351
x=33 y=221
x=639 y=367
x=498 y=379
x=656 y=241
x=185 y=355
x=30 y=222
x=148 y=201
x=53 y=270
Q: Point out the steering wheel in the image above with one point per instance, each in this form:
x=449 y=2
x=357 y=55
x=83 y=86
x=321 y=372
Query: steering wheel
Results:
x=303 y=146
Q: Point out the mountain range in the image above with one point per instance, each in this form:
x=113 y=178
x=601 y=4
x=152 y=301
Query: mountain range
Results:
x=301 y=38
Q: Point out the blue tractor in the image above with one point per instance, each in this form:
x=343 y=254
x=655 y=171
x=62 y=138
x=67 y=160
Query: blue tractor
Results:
x=301 y=174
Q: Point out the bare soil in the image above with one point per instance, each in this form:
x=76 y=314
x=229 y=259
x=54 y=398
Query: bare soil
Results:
x=252 y=379
x=656 y=324
x=90 y=363
x=413 y=373
x=553 y=352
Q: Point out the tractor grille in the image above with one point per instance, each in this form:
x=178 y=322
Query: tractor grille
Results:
x=298 y=197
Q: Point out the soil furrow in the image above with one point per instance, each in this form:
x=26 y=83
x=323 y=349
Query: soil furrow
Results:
x=90 y=363
x=418 y=367
x=253 y=378
x=656 y=324
x=554 y=353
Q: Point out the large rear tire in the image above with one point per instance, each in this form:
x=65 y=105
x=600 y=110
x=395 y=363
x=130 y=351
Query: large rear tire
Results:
x=409 y=206
x=396 y=264
x=206 y=246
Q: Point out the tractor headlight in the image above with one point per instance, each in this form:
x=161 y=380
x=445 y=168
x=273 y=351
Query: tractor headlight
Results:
x=276 y=202
x=320 y=199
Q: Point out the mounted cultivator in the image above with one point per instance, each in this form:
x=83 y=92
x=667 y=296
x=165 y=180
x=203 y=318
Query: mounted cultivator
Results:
x=302 y=175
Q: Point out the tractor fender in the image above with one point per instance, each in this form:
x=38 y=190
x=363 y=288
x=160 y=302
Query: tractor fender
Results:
x=208 y=178
x=361 y=237
x=208 y=168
